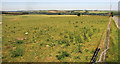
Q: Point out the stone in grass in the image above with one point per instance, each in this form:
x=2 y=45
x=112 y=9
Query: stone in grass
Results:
x=47 y=46
x=26 y=33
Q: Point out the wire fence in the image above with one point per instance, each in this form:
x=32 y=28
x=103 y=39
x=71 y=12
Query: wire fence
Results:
x=103 y=46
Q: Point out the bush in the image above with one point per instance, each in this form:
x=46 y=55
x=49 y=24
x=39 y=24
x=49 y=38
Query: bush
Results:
x=17 y=52
x=62 y=54
x=78 y=14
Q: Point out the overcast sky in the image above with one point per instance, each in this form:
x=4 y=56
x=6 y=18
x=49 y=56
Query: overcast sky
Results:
x=13 y=5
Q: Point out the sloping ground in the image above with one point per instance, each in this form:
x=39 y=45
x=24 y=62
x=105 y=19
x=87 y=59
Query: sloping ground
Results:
x=51 y=38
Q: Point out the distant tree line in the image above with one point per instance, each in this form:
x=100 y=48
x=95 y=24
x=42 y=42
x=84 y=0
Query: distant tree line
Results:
x=15 y=13
x=57 y=13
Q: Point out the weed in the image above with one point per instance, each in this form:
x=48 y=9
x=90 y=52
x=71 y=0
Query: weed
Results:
x=65 y=36
x=47 y=39
x=75 y=26
x=17 y=52
x=85 y=37
x=86 y=50
x=19 y=41
x=76 y=57
x=76 y=22
x=86 y=57
x=62 y=54
x=79 y=49
x=61 y=33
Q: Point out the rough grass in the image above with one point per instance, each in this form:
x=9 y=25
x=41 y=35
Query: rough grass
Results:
x=113 y=50
x=43 y=36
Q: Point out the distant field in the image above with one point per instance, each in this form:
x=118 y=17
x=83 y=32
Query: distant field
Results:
x=98 y=12
x=52 y=38
x=93 y=12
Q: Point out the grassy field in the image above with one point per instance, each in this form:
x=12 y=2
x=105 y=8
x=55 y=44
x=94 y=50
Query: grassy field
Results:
x=53 y=38
x=98 y=11
x=93 y=12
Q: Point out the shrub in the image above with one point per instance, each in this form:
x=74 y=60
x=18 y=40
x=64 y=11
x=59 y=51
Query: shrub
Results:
x=17 y=52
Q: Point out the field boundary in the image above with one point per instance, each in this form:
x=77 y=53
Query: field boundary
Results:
x=105 y=47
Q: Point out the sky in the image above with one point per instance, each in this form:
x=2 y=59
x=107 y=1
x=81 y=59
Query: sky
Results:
x=16 y=5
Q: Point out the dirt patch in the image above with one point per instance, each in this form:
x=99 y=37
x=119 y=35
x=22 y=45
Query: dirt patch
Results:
x=52 y=11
